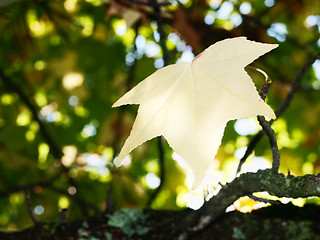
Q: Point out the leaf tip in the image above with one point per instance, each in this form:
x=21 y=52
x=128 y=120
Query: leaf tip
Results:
x=115 y=105
x=274 y=45
x=270 y=114
x=118 y=161
x=119 y=103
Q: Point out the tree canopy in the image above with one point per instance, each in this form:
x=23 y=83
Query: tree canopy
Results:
x=64 y=63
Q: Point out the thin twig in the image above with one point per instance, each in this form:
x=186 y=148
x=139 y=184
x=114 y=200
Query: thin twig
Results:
x=76 y=198
x=258 y=199
x=5 y=3
x=149 y=4
x=50 y=187
x=55 y=150
x=266 y=126
x=165 y=52
x=285 y=104
x=165 y=56
x=63 y=214
x=132 y=66
x=109 y=202
x=21 y=188
x=273 y=143
x=45 y=134
x=161 y=173
x=250 y=148
x=28 y=201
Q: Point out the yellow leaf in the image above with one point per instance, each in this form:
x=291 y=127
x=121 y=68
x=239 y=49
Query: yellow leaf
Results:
x=190 y=103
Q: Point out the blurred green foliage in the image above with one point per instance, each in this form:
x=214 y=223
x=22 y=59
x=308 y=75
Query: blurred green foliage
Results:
x=66 y=62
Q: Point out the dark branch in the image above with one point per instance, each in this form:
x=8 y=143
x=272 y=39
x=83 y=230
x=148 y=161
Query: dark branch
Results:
x=250 y=148
x=75 y=198
x=63 y=214
x=165 y=53
x=263 y=200
x=44 y=132
x=273 y=143
x=27 y=197
x=21 y=188
x=48 y=185
x=264 y=89
x=149 y=4
x=265 y=86
x=165 y=56
x=161 y=173
x=109 y=202
x=55 y=150
x=295 y=85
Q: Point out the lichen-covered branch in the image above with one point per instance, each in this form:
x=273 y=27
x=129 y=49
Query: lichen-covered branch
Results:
x=185 y=224
x=264 y=180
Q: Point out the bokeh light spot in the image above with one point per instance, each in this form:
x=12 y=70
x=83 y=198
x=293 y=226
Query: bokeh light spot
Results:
x=38 y=210
x=225 y=10
x=63 y=202
x=72 y=80
x=195 y=201
x=278 y=30
x=152 y=180
x=245 y=8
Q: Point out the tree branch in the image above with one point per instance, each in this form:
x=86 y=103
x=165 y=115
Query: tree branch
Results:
x=251 y=146
x=152 y=4
x=294 y=87
x=63 y=214
x=188 y=223
x=27 y=197
x=259 y=199
x=161 y=173
x=264 y=180
x=273 y=143
x=55 y=150
x=44 y=132
x=165 y=52
x=52 y=188
x=285 y=104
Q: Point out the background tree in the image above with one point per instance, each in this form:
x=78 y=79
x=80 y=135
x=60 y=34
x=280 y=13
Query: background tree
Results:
x=64 y=63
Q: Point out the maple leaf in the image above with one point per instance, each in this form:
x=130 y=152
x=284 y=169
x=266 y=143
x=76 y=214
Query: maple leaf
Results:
x=190 y=103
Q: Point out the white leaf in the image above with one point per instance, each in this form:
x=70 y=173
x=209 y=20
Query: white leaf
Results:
x=190 y=103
